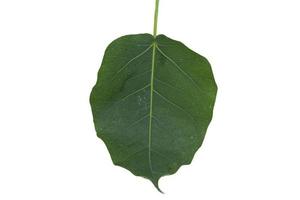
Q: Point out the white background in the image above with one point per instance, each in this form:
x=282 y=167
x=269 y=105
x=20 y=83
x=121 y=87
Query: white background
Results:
x=50 y=52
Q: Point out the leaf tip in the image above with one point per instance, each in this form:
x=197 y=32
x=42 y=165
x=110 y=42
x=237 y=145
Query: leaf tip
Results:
x=155 y=183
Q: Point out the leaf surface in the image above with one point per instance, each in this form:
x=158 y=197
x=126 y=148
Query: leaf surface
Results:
x=152 y=104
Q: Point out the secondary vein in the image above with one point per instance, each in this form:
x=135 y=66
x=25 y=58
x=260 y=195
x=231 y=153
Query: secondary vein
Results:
x=178 y=67
x=134 y=58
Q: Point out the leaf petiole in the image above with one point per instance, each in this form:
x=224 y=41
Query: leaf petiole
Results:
x=155 y=18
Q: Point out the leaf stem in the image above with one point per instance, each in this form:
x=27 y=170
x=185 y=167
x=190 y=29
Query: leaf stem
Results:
x=155 y=18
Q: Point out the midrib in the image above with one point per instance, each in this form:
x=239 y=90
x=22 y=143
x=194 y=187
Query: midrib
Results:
x=151 y=106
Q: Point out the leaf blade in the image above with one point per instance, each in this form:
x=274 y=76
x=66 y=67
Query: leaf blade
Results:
x=152 y=116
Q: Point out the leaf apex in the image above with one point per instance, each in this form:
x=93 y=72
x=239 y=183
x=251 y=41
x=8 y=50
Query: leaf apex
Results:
x=155 y=183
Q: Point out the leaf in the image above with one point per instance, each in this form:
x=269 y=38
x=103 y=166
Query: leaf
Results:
x=152 y=104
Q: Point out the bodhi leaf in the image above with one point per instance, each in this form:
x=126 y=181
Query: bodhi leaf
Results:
x=152 y=104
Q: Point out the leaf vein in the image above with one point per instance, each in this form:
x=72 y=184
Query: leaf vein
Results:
x=173 y=104
x=130 y=61
x=167 y=84
x=161 y=154
x=136 y=91
x=178 y=67
x=130 y=156
x=137 y=121
x=151 y=108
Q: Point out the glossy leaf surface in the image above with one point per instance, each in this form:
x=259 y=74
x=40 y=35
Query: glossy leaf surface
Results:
x=152 y=104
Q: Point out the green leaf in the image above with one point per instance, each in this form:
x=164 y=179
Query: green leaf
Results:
x=152 y=104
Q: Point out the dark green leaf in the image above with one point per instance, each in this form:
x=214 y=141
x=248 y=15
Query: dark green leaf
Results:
x=152 y=104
